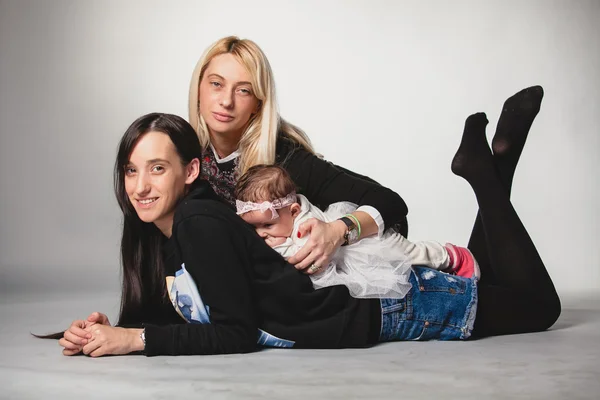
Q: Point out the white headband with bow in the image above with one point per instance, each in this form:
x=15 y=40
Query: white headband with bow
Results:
x=246 y=206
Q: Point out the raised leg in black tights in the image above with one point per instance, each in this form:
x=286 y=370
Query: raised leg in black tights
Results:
x=521 y=298
x=518 y=113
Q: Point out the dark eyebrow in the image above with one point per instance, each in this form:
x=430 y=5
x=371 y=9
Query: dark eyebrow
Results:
x=239 y=83
x=157 y=160
x=153 y=161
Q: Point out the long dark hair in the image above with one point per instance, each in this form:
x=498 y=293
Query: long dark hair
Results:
x=141 y=243
x=143 y=275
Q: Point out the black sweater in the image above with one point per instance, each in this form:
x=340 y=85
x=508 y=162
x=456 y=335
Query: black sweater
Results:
x=244 y=286
x=322 y=182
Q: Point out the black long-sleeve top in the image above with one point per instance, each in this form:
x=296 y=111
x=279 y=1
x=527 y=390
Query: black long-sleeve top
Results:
x=243 y=286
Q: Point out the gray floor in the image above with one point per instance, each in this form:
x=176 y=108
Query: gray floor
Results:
x=559 y=364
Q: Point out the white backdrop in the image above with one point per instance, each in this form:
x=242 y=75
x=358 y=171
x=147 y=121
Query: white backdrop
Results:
x=381 y=87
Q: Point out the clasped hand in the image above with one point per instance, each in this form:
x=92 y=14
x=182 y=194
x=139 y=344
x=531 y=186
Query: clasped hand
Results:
x=95 y=337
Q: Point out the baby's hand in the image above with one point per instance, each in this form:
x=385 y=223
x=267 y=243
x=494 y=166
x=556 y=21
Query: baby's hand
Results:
x=273 y=241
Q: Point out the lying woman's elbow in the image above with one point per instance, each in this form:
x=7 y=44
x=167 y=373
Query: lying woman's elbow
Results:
x=551 y=312
x=248 y=346
x=398 y=202
x=241 y=341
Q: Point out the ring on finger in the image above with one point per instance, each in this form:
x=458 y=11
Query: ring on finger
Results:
x=314 y=268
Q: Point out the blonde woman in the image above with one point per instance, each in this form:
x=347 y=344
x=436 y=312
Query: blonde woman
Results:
x=232 y=107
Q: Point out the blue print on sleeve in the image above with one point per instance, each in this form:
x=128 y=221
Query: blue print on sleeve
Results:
x=186 y=300
x=268 y=340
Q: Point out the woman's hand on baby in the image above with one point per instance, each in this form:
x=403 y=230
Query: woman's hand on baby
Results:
x=108 y=339
x=325 y=239
x=76 y=336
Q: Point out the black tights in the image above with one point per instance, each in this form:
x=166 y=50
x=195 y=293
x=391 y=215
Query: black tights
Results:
x=516 y=294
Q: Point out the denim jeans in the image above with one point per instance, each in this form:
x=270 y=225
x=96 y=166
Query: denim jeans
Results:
x=439 y=306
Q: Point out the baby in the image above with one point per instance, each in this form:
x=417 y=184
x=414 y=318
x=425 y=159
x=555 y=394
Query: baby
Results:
x=372 y=267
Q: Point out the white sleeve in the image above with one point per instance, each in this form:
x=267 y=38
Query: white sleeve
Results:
x=341 y=208
x=372 y=211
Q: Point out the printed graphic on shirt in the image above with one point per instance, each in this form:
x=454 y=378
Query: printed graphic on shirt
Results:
x=222 y=177
x=186 y=300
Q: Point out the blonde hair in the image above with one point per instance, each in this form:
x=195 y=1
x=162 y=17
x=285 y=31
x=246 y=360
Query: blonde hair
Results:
x=258 y=143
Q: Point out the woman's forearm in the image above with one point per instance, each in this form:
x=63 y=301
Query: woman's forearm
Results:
x=368 y=226
x=137 y=344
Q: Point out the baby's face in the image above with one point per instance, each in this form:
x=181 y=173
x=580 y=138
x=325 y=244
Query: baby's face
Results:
x=274 y=231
